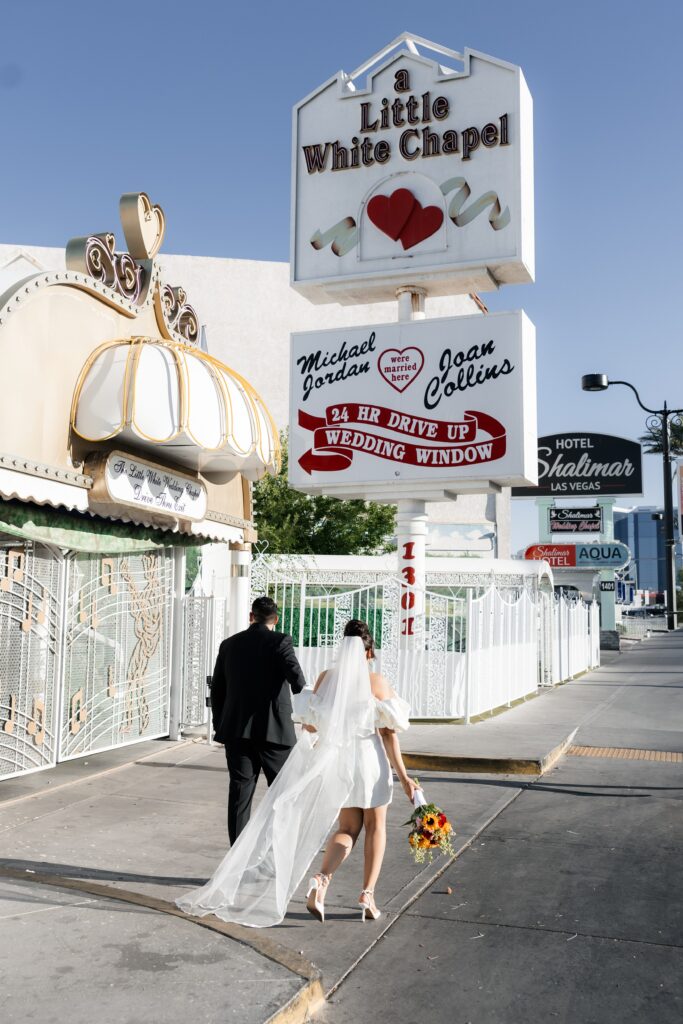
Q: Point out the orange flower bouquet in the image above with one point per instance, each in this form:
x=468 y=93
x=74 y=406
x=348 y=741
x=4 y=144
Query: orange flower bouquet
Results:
x=430 y=830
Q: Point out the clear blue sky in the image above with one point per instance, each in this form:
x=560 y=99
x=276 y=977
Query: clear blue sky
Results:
x=191 y=102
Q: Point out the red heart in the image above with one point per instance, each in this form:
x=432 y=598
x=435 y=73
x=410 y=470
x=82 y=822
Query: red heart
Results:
x=390 y=213
x=400 y=367
x=421 y=224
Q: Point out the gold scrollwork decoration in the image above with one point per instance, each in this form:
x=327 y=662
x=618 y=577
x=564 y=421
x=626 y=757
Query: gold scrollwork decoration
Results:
x=134 y=275
x=175 y=314
x=143 y=225
x=96 y=256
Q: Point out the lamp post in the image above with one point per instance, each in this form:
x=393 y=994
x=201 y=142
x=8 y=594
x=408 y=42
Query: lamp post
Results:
x=660 y=418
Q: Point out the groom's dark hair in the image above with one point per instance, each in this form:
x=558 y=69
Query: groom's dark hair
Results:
x=264 y=609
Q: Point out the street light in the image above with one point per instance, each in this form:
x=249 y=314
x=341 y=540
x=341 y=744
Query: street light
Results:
x=659 y=418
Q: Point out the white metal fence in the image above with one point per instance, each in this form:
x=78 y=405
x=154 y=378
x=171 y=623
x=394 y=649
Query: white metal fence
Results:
x=476 y=648
x=638 y=627
x=576 y=638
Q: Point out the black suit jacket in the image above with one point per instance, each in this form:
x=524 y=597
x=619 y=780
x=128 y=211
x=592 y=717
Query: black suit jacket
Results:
x=250 y=687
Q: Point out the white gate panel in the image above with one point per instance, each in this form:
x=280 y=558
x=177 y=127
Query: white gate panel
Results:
x=117 y=651
x=205 y=627
x=30 y=638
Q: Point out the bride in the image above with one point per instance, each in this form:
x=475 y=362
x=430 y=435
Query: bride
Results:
x=340 y=768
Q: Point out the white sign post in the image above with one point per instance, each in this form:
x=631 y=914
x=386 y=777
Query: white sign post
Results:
x=412 y=177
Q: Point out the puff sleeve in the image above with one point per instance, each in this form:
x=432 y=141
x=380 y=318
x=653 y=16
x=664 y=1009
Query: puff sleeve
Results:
x=393 y=713
x=304 y=707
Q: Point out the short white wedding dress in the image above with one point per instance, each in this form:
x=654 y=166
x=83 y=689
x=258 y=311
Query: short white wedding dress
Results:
x=373 y=777
x=343 y=764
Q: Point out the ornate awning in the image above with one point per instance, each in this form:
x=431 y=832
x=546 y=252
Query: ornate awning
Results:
x=130 y=418
x=155 y=394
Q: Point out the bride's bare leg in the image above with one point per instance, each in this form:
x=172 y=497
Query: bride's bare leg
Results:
x=341 y=843
x=375 y=821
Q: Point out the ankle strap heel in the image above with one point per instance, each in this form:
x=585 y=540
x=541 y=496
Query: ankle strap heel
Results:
x=366 y=902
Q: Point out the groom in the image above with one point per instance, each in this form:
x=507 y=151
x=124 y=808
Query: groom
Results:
x=251 y=706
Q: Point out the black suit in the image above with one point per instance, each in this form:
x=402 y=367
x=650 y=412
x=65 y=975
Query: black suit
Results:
x=252 y=711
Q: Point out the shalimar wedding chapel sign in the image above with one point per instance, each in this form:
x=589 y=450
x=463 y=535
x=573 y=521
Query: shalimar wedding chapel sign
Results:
x=424 y=408
x=419 y=174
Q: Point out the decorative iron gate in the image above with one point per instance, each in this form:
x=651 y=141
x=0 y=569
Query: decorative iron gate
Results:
x=84 y=653
x=30 y=648
x=117 y=651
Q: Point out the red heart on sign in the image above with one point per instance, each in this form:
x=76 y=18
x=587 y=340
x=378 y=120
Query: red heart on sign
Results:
x=390 y=213
x=421 y=224
x=400 y=367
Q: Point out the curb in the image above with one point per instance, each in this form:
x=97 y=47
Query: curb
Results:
x=427 y=762
x=296 y=1011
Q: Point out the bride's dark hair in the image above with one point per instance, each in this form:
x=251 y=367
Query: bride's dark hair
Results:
x=356 y=627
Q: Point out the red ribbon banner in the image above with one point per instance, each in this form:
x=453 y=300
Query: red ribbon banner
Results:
x=344 y=430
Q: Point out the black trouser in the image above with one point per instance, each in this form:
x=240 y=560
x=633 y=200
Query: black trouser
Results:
x=245 y=760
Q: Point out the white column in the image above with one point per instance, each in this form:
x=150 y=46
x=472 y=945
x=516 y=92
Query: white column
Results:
x=411 y=518
x=175 y=711
x=411 y=531
x=608 y=598
x=240 y=568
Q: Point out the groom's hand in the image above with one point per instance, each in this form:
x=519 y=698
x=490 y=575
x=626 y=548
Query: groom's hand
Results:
x=308 y=728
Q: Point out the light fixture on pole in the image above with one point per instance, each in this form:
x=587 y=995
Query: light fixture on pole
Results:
x=659 y=419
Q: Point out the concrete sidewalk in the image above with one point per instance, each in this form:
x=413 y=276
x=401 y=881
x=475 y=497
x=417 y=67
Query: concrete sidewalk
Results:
x=157 y=828
x=530 y=737
x=119 y=839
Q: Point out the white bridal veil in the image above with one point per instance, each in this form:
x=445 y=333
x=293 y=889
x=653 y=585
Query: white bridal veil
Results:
x=256 y=879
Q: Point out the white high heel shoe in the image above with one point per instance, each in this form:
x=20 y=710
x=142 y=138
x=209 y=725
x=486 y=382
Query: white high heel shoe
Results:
x=317 y=885
x=366 y=902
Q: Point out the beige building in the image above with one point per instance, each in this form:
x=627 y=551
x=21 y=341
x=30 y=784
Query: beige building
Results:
x=247 y=311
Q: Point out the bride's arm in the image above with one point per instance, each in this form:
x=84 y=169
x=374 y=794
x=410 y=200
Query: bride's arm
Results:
x=382 y=690
x=312 y=728
x=393 y=749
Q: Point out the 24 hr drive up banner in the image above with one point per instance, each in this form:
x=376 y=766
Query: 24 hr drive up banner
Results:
x=420 y=409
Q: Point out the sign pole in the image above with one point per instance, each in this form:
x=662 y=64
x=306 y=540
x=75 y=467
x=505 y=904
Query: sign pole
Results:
x=669 y=541
x=544 y=505
x=608 y=611
x=411 y=515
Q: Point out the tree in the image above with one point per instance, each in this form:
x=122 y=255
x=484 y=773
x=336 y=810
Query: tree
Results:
x=653 y=439
x=294 y=523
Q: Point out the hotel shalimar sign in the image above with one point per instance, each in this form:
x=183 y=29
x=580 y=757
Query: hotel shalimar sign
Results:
x=421 y=174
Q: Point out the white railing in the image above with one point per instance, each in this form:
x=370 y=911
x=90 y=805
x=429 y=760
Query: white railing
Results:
x=638 y=627
x=576 y=638
x=475 y=648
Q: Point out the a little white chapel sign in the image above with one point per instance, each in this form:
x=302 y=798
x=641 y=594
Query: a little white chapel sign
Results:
x=413 y=170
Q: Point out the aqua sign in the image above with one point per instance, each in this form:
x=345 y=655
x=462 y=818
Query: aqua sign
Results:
x=608 y=555
x=611 y=555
